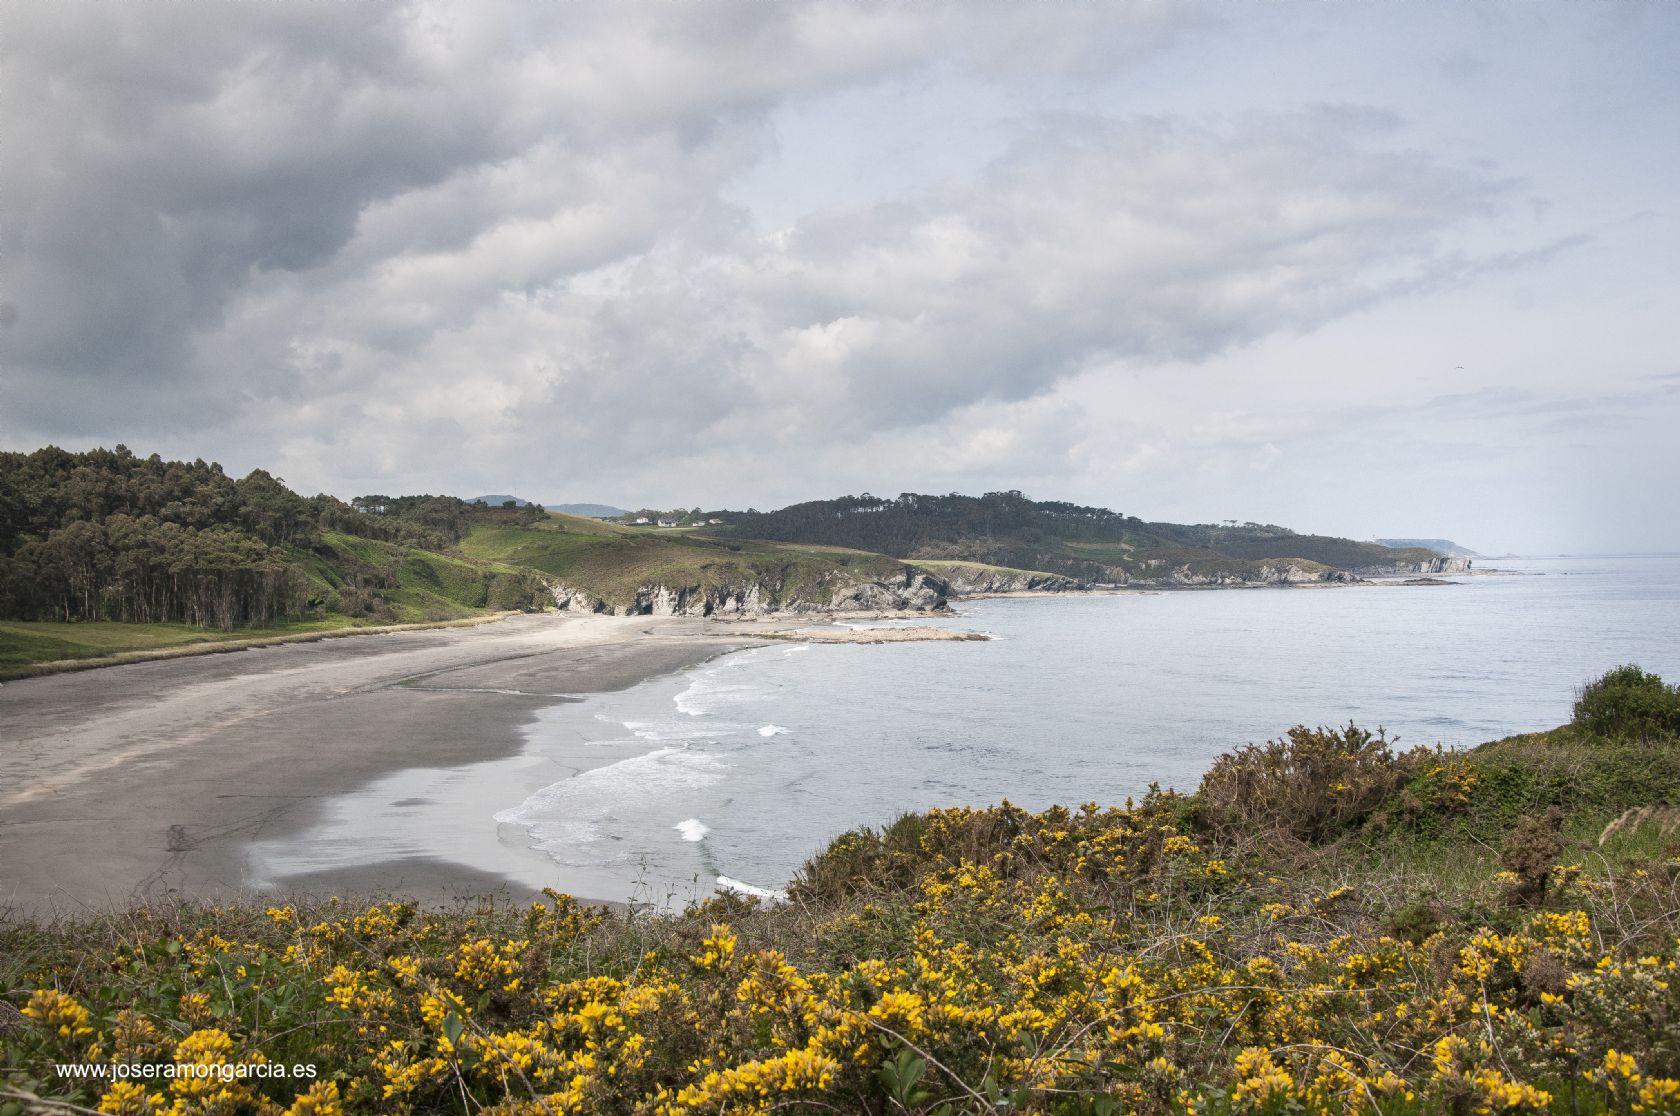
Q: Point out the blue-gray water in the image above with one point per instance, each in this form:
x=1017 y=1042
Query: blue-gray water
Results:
x=744 y=767
x=774 y=751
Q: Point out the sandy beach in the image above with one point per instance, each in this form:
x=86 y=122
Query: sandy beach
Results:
x=140 y=781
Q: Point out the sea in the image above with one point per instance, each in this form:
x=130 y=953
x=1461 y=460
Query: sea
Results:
x=730 y=775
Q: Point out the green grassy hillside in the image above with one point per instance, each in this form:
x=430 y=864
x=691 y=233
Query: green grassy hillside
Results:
x=613 y=563
x=393 y=583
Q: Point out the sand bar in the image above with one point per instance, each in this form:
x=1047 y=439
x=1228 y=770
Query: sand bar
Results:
x=878 y=635
x=135 y=782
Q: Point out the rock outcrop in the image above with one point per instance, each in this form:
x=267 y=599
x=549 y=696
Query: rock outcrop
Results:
x=1271 y=572
x=567 y=599
x=964 y=581
x=1437 y=565
x=914 y=591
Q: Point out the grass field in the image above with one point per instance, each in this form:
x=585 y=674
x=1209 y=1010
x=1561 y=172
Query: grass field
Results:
x=37 y=654
x=25 y=643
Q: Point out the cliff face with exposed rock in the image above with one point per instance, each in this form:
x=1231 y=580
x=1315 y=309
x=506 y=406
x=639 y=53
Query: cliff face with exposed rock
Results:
x=1236 y=575
x=919 y=590
x=1438 y=565
x=914 y=591
x=980 y=581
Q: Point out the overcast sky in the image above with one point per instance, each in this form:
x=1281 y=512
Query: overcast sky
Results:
x=1366 y=269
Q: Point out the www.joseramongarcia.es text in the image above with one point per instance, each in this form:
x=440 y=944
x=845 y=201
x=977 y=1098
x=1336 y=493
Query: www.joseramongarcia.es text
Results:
x=169 y=1071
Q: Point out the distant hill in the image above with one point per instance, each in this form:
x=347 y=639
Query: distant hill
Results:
x=1089 y=543
x=1440 y=546
x=590 y=511
x=109 y=536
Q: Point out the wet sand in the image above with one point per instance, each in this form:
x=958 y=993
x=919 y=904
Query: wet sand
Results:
x=139 y=782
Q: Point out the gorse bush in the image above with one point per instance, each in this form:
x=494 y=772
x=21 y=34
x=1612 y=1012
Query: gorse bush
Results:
x=1629 y=701
x=1328 y=925
x=1084 y=962
x=1317 y=784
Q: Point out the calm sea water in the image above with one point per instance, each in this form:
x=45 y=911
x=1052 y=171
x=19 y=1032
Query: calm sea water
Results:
x=746 y=766
x=737 y=771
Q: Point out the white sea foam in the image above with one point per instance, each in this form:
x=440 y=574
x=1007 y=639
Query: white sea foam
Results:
x=665 y=731
x=770 y=893
x=591 y=806
x=708 y=694
x=773 y=730
x=692 y=830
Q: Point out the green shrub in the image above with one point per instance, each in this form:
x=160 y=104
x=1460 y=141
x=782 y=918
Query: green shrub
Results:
x=1629 y=701
x=1317 y=784
x=864 y=860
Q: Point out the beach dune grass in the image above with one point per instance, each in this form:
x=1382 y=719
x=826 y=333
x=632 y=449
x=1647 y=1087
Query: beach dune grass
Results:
x=24 y=643
x=38 y=655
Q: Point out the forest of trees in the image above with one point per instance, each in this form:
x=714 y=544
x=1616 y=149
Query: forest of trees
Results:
x=107 y=535
x=913 y=522
x=1008 y=529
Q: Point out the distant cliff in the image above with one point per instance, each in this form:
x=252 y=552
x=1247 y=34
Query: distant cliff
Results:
x=1402 y=567
x=912 y=591
x=1440 y=546
x=976 y=579
x=1236 y=574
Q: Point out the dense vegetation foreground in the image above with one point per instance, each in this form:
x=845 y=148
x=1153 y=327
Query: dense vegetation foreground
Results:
x=1329 y=923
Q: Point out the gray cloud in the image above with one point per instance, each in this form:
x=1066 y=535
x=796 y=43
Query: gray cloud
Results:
x=422 y=244
x=629 y=317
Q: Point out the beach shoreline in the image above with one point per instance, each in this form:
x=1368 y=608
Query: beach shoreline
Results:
x=152 y=781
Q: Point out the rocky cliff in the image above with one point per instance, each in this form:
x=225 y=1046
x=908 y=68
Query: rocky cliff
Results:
x=972 y=581
x=1236 y=575
x=1437 y=565
x=913 y=591
x=920 y=590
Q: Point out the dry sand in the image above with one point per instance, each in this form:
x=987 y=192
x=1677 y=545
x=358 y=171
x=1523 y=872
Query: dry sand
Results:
x=134 y=782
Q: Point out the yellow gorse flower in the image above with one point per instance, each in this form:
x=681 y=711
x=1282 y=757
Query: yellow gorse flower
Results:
x=55 y=1010
x=1070 y=955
